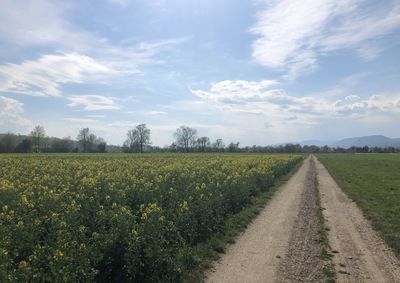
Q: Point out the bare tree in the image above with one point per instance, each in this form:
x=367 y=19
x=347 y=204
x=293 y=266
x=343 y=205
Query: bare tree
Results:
x=219 y=145
x=37 y=135
x=203 y=143
x=83 y=138
x=185 y=137
x=92 y=141
x=130 y=142
x=139 y=136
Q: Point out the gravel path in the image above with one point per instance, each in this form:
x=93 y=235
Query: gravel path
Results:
x=257 y=254
x=359 y=254
x=283 y=243
x=302 y=261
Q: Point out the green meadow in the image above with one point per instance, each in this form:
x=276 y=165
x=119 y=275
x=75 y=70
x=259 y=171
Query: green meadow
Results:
x=373 y=182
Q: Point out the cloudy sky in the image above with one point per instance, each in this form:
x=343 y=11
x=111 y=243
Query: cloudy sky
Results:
x=258 y=72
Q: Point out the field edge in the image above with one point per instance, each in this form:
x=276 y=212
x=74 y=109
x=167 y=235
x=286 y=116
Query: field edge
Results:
x=206 y=253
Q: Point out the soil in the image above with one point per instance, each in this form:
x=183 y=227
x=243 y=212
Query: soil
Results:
x=284 y=243
x=360 y=255
x=302 y=261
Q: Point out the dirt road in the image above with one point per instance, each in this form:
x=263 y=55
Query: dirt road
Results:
x=359 y=254
x=259 y=253
x=283 y=243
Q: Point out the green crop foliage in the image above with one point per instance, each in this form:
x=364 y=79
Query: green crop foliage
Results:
x=373 y=182
x=120 y=218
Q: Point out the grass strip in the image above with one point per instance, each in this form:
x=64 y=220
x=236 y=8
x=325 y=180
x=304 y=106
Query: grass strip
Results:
x=329 y=268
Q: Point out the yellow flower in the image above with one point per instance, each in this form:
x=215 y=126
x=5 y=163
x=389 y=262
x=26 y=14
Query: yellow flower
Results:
x=22 y=264
x=184 y=206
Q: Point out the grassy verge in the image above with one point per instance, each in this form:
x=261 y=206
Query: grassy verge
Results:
x=200 y=258
x=328 y=269
x=373 y=182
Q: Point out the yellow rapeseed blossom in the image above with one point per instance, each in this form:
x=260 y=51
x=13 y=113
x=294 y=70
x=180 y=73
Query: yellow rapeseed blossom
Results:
x=64 y=212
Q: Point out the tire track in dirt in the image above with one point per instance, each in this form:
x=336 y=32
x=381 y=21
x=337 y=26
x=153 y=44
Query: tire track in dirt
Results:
x=283 y=243
x=303 y=260
x=259 y=254
x=360 y=255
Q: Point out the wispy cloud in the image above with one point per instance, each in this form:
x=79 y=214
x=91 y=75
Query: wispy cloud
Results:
x=41 y=23
x=44 y=77
x=12 y=114
x=80 y=120
x=155 y=113
x=93 y=102
x=291 y=35
x=31 y=24
x=95 y=116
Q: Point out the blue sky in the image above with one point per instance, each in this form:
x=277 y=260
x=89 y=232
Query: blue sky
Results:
x=258 y=72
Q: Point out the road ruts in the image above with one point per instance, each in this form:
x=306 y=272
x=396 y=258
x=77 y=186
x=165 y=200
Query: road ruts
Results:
x=360 y=255
x=257 y=253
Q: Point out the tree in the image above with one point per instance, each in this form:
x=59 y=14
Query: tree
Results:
x=101 y=145
x=219 y=145
x=24 y=146
x=130 y=142
x=91 y=143
x=233 y=147
x=37 y=135
x=138 y=137
x=203 y=143
x=185 y=137
x=61 y=145
x=83 y=138
x=9 y=142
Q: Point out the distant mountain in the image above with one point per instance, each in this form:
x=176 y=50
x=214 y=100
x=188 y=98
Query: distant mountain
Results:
x=370 y=141
x=315 y=142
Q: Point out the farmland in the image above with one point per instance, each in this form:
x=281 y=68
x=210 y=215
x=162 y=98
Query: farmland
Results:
x=113 y=217
x=373 y=182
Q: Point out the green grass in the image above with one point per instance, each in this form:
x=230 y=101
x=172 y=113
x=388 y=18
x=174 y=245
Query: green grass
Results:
x=373 y=182
x=329 y=269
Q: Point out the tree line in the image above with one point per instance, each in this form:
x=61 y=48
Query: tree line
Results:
x=37 y=141
x=138 y=139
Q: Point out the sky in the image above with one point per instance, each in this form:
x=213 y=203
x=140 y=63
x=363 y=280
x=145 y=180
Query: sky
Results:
x=257 y=72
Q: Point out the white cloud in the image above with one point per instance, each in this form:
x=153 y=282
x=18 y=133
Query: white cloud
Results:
x=45 y=76
x=95 y=116
x=292 y=34
x=248 y=97
x=155 y=113
x=267 y=116
x=43 y=23
x=40 y=23
x=236 y=91
x=354 y=105
x=94 y=102
x=129 y=57
x=11 y=115
x=80 y=120
x=361 y=26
